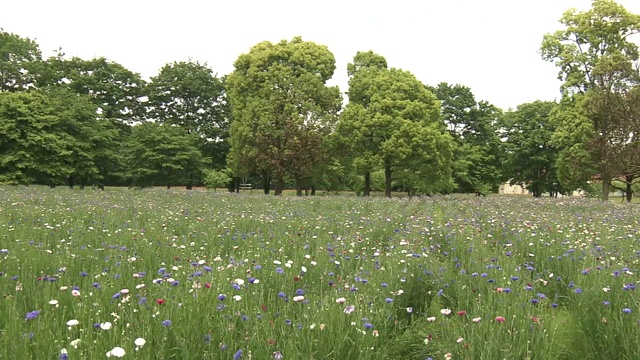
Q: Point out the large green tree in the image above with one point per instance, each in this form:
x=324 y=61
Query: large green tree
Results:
x=392 y=122
x=531 y=158
x=19 y=60
x=51 y=137
x=595 y=56
x=474 y=125
x=162 y=155
x=282 y=110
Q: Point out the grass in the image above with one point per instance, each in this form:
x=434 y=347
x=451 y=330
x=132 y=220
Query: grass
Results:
x=333 y=277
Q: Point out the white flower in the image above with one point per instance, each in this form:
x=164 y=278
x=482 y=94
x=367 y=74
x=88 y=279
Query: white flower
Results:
x=72 y=322
x=75 y=343
x=314 y=263
x=237 y=297
x=75 y=292
x=277 y=262
x=105 y=325
x=124 y=291
x=606 y=289
x=298 y=298
x=476 y=320
x=239 y=281
x=431 y=319
x=445 y=311
x=53 y=302
x=116 y=352
x=139 y=342
x=341 y=300
x=460 y=340
x=304 y=269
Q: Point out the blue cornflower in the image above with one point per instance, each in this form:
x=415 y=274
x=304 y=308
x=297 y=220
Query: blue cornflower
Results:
x=388 y=300
x=299 y=292
x=166 y=323
x=221 y=297
x=626 y=310
x=578 y=291
x=237 y=355
x=32 y=315
x=279 y=270
x=281 y=294
x=368 y=325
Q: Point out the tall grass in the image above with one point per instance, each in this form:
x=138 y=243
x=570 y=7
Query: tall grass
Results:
x=315 y=278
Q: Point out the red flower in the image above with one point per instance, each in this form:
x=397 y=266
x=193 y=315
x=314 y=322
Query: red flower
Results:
x=263 y=307
x=500 y=319
x=462 y=312
x=160 y=301
x=535 y=319
x=296 y=278
x=207 y=285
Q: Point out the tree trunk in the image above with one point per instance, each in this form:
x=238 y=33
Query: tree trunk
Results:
x=70 y=182
x=387 y=181
x=279 y=186
x=266 y=183
x=313 y=191
x=298 y=187
x=629 y=180
x=605 y=189
x=367 y=184
x=190 y=182
x=168 y=186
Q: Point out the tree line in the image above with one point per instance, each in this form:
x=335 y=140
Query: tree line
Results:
x=274 y=122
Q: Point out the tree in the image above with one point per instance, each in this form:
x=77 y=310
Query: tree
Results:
x=19 y=58
x=531 y=159
x=163 y=154
x=282 y=110
x=117 y=92
x=474 y=127
x=595 y=56
x=50 y=137
x=393 y=122
x=189 y=95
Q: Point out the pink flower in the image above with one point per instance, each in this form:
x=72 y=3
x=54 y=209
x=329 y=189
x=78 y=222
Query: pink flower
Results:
x=462 y=312
x=75 y=292
x=500 y=319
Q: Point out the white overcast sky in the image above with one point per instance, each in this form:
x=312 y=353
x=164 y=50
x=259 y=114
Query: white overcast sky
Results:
x=490 y=46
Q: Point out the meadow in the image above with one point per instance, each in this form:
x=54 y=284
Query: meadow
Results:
x=162 y=274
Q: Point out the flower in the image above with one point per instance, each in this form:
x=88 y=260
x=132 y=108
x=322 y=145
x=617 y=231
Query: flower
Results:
x=476 y=319
x=500 y=319
x=32 y=315
x=116 y=352
x=72 y=322
x=237 y=297
x=160 y=301
x=460 y=340
x=341 y=300
x=431 y=319
x=409 y=310
x=139 y=342
x=461 y=313
x=626 y=310
x=166 y=323
x=75 y=292
x=445 y=311
x=105 y=325
x=75 y=343
x=63 y=355
x=298 y=298
x=237 y=355
x=349 y=309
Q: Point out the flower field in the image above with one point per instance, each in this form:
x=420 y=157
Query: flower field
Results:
x=157 y=274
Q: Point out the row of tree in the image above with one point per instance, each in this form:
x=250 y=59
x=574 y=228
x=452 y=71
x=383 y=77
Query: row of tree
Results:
x=275 y=123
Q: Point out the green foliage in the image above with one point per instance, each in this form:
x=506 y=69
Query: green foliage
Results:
x=282 y=110
x=214 y=179
x=392 y=122
x=531 y=159
x=474 y=127
x=595 y=55
x=19 y=59
x=51 y=137
x=163 y=155
x=189 y=95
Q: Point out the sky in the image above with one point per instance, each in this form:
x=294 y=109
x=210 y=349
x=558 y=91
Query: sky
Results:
x=490 y=46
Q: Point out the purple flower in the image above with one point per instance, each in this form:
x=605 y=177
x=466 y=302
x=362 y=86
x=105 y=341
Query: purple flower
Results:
x=221 y=297
x=578 y=291
x=166 y=323
x=388 y=300
x=606 y=303
x=626 y=310
x=368 y=325
x=237 y=355
x=32 y=315
x=279 y=270
x=281 y=294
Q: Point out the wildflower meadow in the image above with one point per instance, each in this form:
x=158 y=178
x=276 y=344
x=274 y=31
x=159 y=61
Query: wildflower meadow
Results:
x=174 y=274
